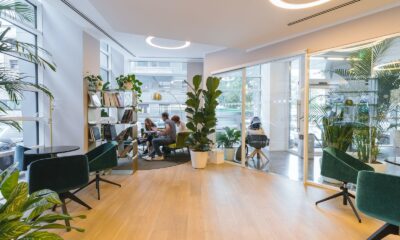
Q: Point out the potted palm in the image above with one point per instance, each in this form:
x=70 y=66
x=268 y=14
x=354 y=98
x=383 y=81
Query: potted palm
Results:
x=226 y=140
x=201 y=106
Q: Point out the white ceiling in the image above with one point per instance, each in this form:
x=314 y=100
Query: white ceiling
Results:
x=215 y=24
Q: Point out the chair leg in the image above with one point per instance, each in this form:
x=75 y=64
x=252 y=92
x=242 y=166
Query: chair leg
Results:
x=384 y=231
x=352 y=207
x=98 y=185
x=329 y=198
x=76 y=199
x=110 y=182
x=65 y=212
x=92 y=181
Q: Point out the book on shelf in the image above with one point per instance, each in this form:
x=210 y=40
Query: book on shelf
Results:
x=94 y=134
x=94 y=100
x=112 y=99
x=110 y=133
x=127 y=116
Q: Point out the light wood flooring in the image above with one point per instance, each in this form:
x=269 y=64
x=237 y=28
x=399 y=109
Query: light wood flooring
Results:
x=219 y=202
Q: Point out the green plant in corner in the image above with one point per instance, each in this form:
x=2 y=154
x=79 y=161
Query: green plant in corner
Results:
x=201 y=115
x=95 y=82
x=228 y=138
x=10 y=81
x=24 y=216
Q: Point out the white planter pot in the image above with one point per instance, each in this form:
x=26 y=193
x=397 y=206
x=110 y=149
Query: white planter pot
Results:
x=378 y=167
x=199 y=159
x=229 y=154
x=216 y=156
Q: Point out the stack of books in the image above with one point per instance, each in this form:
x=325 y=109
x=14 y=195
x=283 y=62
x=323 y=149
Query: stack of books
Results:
x=127 y=117
x=111 y=99
x=94 y=134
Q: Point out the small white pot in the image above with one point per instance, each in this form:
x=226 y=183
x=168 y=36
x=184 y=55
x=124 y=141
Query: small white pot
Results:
x=199 y=159
x=378 y=167
x=229 y=154
x=216 y=156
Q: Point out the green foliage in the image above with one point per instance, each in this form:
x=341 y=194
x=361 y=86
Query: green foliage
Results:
x=365 y=141
x=201 y=107
x=228 y=138
x=130 y=78
x=13 y=83
x=24 y=216
x=94 y=81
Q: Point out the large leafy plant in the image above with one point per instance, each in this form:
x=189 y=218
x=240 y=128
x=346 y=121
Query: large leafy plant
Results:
x=130 y=79
x=228 y=138
x=201 y=107
x=11 y=82
x=24 y=216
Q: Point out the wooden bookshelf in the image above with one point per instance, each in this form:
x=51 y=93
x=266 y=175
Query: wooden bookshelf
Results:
x=112 y=116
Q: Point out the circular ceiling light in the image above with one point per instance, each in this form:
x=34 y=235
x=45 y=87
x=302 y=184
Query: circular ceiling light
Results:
x=286 y=5
x=150 y=39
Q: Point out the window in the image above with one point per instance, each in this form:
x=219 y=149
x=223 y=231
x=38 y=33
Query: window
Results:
x=105 y=62
x=164 y=88
x=27 y=108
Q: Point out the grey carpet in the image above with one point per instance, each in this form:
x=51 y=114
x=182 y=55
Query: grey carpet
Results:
x=170 y=161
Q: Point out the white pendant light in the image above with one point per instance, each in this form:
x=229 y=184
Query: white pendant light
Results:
x=150 y=39
x=286 y=5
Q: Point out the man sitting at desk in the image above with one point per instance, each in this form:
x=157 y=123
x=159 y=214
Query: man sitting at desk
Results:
x=165 y=137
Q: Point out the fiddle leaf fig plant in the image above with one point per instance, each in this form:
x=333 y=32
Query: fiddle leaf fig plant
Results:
x=24 y=215
x=201 y=107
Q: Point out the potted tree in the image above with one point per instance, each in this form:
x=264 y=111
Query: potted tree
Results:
x=95 y=82
x=201 y=106
x=227 y=139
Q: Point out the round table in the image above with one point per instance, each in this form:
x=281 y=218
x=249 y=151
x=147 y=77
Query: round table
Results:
x=53 y=150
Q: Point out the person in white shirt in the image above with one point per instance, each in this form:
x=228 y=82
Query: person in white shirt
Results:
x=180 y=125
x=255 y=127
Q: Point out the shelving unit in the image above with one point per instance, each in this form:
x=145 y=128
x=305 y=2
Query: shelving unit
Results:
x=119 y=125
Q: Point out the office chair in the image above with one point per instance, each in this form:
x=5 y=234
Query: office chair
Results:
x=258 y=142
x=378 y=196
x=345 y=168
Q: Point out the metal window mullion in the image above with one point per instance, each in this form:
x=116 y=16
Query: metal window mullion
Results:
x=243 y=145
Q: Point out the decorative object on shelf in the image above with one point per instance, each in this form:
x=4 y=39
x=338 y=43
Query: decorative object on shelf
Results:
x=227 y=139
x=129 y=82
x=26 y=216
x=363 y=111
x=13 y=83
x=201 y=118
x=348 y=110
x=95 y=82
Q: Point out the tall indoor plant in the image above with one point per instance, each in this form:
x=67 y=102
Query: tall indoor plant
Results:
x=13 y=83
x=227 y=139
x=201 y=107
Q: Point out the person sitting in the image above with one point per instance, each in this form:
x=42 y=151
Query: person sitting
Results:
x=165 y=137
x=255 y=127
x=181 y=126
x=150 y=128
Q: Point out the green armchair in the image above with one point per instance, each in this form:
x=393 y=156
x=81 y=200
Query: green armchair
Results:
x=378 y=196
x=24 y=160
x=342 y=167
x=181 y=142
x=61 y=175
x=102 y=158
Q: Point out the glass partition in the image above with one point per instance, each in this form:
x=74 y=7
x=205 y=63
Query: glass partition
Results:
x=354 y=99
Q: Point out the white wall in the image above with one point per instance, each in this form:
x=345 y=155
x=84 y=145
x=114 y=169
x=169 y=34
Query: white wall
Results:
x=63 y=39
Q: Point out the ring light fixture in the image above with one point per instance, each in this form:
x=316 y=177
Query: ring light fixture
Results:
x=286 y=5
x=150 y=39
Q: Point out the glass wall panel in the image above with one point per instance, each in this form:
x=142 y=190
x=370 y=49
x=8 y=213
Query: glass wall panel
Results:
x=354 y=99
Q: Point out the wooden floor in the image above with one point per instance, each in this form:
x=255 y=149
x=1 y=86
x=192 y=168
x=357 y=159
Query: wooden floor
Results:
x=219 y=202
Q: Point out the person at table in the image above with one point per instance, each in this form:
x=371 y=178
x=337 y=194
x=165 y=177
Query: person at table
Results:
x=150 y=130
x=181 y=126
x=164 y=138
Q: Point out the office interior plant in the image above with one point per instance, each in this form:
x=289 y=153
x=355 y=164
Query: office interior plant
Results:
x=11 y=82
x=95 y=82
x=24 y=216
x=129 y=82
x=365 y=143
x=228 y=138
x=201 y=107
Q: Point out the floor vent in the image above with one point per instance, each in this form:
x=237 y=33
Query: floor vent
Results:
x=324 y=12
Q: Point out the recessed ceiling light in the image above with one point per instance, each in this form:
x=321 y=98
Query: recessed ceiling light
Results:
x=286 y=5
x=150 y=39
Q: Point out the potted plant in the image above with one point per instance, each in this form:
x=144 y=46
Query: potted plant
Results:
x=25 y=216
x=201 y=107
x=227 y=139
x=129 y=82
x=95 y=82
